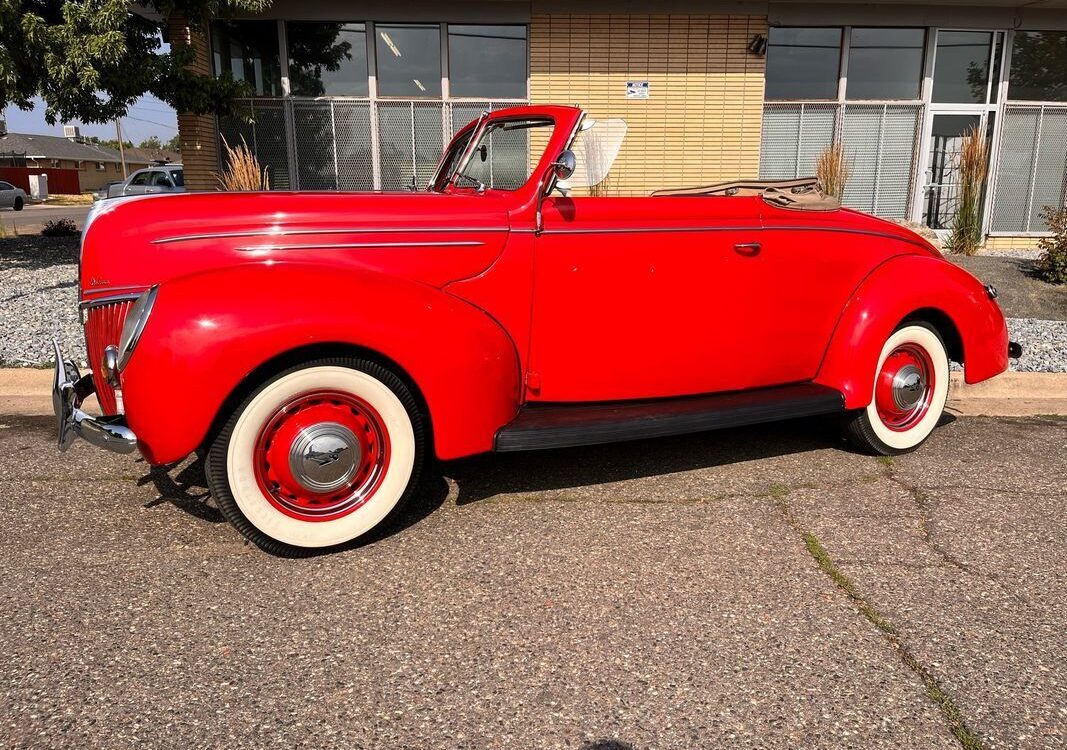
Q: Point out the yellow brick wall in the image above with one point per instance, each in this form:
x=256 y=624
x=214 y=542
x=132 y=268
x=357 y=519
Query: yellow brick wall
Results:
x=1011 y=243
x=702 y=121
x=198 y=133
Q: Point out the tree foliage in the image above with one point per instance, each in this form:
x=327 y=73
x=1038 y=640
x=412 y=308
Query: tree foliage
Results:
x=89 y=60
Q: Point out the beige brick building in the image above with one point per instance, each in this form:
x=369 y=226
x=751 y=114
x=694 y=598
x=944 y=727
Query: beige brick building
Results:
x=363 y=95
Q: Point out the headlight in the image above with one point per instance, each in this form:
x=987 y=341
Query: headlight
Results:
x=136 y=320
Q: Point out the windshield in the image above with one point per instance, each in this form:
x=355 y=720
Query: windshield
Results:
x=501 y=157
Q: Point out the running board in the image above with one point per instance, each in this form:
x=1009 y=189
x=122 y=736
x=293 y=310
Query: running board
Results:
x=537 y=427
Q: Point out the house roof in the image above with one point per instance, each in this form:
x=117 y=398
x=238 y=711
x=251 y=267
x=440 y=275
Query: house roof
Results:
x=54 y=147
x=37 y=146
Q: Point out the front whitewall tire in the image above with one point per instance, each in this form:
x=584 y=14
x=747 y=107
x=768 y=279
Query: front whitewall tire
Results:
x=236 y=447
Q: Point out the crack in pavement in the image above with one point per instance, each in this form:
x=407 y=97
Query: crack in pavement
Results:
x=957 y=724
x=922 y=502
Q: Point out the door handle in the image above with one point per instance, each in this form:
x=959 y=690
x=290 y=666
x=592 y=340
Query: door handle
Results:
x=747 y=248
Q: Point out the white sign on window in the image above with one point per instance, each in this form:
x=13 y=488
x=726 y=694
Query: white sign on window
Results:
x=637 y=89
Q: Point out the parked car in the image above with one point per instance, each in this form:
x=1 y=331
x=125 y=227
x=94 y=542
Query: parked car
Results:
x=321 y=349
x=104 y=191
x=11 y=196
x=168 y=178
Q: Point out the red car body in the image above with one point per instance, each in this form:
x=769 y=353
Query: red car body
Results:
x=483 y=311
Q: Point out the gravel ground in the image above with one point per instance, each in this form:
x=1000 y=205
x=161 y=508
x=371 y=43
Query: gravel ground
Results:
x=38 y=293
x=672 y=593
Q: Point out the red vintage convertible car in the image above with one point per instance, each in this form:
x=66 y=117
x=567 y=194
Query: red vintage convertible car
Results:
x=320 y=348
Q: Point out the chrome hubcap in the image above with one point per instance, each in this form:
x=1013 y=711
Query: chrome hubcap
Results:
x=324 y=457
x=908 y=387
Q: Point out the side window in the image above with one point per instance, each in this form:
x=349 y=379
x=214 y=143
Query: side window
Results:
x=160 y=179
x=141 y=178
x=178 y=176
x=6 y=186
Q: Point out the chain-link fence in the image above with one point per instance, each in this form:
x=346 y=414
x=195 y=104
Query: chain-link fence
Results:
x=1031 y=169
x=359 y=144
x=880 y=143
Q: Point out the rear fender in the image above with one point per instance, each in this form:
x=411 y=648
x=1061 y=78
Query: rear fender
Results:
x=208 y=332
x=892 y=293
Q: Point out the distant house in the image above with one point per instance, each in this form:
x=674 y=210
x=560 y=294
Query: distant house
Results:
x=94 y=164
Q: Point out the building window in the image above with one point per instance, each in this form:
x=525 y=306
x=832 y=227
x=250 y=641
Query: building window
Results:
x=327 y=59
x=408 y=58
x=885 y=63
x=961 y=67
x=1039 y=67
x=248 y=50
x=803 y=63
x=100 y=166
x=487 y=61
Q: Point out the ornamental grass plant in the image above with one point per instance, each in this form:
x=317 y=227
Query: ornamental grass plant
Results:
x=972 y=166
x=243 y=171
x=832 y=170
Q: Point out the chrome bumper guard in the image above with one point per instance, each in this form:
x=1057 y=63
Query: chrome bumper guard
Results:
x=69 y=390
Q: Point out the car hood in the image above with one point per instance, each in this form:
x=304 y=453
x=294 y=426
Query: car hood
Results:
x=133 y=243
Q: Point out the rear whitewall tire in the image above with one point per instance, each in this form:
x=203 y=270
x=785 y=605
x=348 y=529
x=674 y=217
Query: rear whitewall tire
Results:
x=231 y=464
x=868 y=431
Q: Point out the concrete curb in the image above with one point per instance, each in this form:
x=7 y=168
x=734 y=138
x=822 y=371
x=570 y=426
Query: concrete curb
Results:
x=27 y=392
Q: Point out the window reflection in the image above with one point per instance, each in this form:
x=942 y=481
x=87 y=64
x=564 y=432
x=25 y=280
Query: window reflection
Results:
x=408 y=58
x=327 y=59
x=803 y=63
x=248 y=50
x=961 y=67
x=487 y=61
x=1039 y=66
x=885 y=63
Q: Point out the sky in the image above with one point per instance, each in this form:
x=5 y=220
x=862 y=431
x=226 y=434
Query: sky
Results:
x=147 y=117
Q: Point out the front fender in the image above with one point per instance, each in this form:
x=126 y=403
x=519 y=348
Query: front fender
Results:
x=209 y=331
x=895 y=290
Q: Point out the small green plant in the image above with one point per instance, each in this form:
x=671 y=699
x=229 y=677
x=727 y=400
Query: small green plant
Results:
x=1052 y=263
x=59 y=228
x=973 y=162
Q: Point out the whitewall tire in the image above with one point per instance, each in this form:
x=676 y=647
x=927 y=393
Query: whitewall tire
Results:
x=909 y=395
x=317 y=456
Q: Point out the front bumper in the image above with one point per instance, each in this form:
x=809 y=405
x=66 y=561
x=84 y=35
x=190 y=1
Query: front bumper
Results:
x=69 y=390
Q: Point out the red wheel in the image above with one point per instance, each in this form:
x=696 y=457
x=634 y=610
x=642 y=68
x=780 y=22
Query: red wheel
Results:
x=905 y=387
x=317 y=456
x=322 y=455
x=910 y=390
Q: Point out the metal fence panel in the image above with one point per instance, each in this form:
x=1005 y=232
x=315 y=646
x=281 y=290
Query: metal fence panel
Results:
x=880 y=142
x=352 y=139
x=266 y=134
x=1031 y=170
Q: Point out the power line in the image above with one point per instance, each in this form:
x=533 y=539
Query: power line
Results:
x=152 y=122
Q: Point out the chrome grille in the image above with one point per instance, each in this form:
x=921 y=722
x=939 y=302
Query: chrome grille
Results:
x=103 y=327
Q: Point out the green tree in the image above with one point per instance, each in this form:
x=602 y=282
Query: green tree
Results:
x=89 y=60
x=151 y=142
x=174 y=144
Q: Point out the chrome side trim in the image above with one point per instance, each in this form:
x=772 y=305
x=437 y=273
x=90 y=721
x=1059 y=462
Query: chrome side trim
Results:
x=640 y=230
x=355 y=245
x=298 y=232
x=109 y=299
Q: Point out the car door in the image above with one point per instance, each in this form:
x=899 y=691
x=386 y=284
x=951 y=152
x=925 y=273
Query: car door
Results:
x=7 y=195
x=646 y=298
x=137 y=184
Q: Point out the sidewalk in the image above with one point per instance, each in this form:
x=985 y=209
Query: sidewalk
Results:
x=27 y=392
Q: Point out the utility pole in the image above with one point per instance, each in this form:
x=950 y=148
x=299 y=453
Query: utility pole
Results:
x=122 y=151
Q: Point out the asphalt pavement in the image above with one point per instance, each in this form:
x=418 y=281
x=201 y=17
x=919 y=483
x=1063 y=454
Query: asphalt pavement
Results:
x=33 y=216
x=748 y=588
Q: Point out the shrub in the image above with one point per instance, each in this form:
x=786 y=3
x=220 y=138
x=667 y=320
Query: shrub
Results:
x=832 y=170
x=242 y=171
x=59 y=228
x=1052 y=263
x=973 y=161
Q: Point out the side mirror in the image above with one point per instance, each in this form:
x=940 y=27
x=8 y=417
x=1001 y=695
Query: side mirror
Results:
x=483 y=152
x=565 y=165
